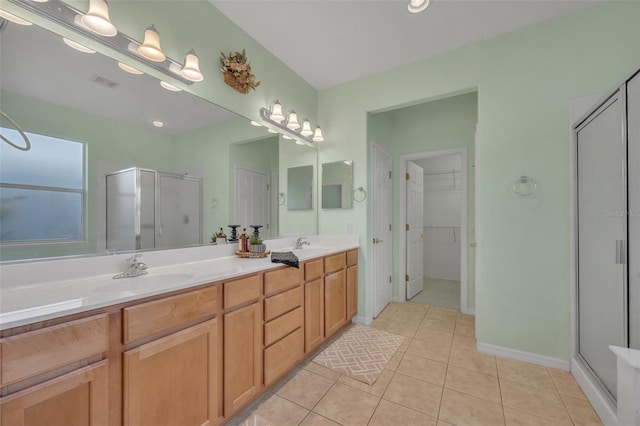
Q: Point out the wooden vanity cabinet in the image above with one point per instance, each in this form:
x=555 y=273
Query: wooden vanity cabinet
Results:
x=242 y=342
x=335 y=302
x=172 y=379
x=352 y=284
x=313 y=304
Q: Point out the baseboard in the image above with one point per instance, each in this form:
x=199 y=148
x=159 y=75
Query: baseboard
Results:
x=545 y=361
x=469 y=311
x=362 y=320
x=599 y=402
x=398 y=299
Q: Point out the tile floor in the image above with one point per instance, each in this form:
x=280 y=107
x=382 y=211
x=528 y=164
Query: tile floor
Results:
x=436 y=378
x=439 y=292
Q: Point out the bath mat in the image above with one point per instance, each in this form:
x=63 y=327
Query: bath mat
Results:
x=360 y=353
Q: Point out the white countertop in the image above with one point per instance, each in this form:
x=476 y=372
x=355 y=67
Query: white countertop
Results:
x=35 y=291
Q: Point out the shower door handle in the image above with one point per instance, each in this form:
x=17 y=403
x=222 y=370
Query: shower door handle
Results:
x=620 y=255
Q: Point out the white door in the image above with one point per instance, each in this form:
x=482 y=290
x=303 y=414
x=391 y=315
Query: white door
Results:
x=252 y=200
x=601 y=237
x=415 y=233
x=381 y=202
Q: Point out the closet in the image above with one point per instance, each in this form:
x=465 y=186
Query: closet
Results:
x=608 y=232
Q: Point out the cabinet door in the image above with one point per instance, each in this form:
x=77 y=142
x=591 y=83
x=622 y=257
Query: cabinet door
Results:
x=172 y=380
x=352 y=292
x=79 y=398
x=313 y=315
x=242 y=357
x=335 y=306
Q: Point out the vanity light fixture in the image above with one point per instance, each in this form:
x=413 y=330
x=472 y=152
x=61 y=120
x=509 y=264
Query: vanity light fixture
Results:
x=41 y=1
x=170 y=87
x=274 y=120
x=150 y=47
x=13 y=18
x=77 y=46
x=292 y=121
x=276 y=112
x=129 y=69
x=417 y=6
x=191 y=69
x=306 y=128
x=97 y=19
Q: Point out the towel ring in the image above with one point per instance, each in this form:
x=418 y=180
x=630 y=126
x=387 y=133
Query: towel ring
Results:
x=281 y=198
x=524 y=186
x=360 y=198
x=27 y=142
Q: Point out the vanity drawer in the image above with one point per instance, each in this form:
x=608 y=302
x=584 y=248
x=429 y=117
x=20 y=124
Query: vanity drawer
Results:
x=277 y=305
x=313 y=269
x=281 y=356
x=279 y=327
x=150 y=318
x=335 y=262
x=36 y=352
x=281 y=279
x=352 y=257
x=241 y=291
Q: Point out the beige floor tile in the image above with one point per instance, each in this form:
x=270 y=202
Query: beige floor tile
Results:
x=322 y=371
x=443 y=423
x=442 y=312
x=466 y=318
x=465 y=410
x=305 y=388
x=472 y=383
x=435 y=350
x=394 y=361
x=277 y=411
x=314 y=419
x=464 y=342
x=416 y=308
x=581 y=412
x=423 y=369
x=414 y=393
x=404 y=346
x=389 y=413
x=434 y=336
x=473 y=360
x=408 y=318
x=347 y=406
x=377 y=388
x=520 y=418
x=539 y=402
x=444 y=325
x=465 y=329
x=523 y=372
x=566 y=384
x=396 y=327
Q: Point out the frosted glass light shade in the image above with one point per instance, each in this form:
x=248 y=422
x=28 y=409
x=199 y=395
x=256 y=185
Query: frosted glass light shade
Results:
x=97 y=19
x=287 y=137
x=306 y=128
x=271 y=130
x=317 y=135
x=255 y=123
x=276 y=112
x=129 y=69
x=170 y=87
x=417 y=6
x=150 y=47
x=13 y=18
x=191 y=69
x=77 y=46
x=292 y=122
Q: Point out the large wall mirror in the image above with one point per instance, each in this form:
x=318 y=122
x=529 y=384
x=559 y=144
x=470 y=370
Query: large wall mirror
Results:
x=337 y=185
x=105 y=118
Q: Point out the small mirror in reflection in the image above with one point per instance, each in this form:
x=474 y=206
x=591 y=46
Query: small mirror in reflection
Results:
x=300 y=188
x=337 y=185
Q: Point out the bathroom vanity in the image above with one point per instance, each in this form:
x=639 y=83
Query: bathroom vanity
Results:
x=193 y=352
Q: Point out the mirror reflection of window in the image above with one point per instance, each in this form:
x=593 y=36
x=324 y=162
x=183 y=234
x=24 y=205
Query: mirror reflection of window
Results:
x=337 y=185
x=300 y=188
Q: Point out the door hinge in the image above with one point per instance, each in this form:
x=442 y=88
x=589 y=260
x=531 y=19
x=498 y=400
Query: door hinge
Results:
x=408 y=176
x=406 y=278
x=267 y=226
x=389 y=279
x=389 y=227
x=390 y=174
x=407 y=227
x=268 y=186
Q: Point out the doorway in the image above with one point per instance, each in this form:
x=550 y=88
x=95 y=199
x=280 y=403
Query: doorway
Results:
x=253 y=203
x=433 y=250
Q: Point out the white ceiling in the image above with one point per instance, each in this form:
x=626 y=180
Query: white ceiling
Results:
x=329 y=42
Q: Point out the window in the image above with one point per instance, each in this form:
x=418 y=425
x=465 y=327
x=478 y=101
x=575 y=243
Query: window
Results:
x=41 y=190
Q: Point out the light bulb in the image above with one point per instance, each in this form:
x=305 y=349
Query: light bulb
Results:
x=191 y=69
x=150 y=47
x=157 y=123
x=170 y=87
x=276 y=112
x=97 y=19
x=271 y=131
x=255 y=123
x=306 y=128
x=287 y=137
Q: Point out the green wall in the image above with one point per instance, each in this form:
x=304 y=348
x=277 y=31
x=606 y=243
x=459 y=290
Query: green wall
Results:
x=436 y=125
x=525 y=81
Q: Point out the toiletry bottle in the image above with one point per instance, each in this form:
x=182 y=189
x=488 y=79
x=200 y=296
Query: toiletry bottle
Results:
x=244 y=246
x=221 y=238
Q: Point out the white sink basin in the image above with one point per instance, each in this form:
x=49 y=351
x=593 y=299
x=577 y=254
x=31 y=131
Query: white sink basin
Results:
x=307 y=252
x=150 y=281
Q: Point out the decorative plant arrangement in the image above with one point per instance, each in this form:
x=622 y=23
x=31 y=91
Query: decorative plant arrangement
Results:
x=237 y=72
x=256 y=245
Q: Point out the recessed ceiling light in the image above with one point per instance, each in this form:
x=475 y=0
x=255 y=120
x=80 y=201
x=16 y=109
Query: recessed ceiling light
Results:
x=77 y=46
x=129 y=69
x=170 y=87
x=13 y=18
x=157 y=123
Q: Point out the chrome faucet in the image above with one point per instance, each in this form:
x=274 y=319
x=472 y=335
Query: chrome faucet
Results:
x=301 y=242
x=132 y=268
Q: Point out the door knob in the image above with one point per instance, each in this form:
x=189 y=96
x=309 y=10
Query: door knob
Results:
x=377 y=241
x=473 y=245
